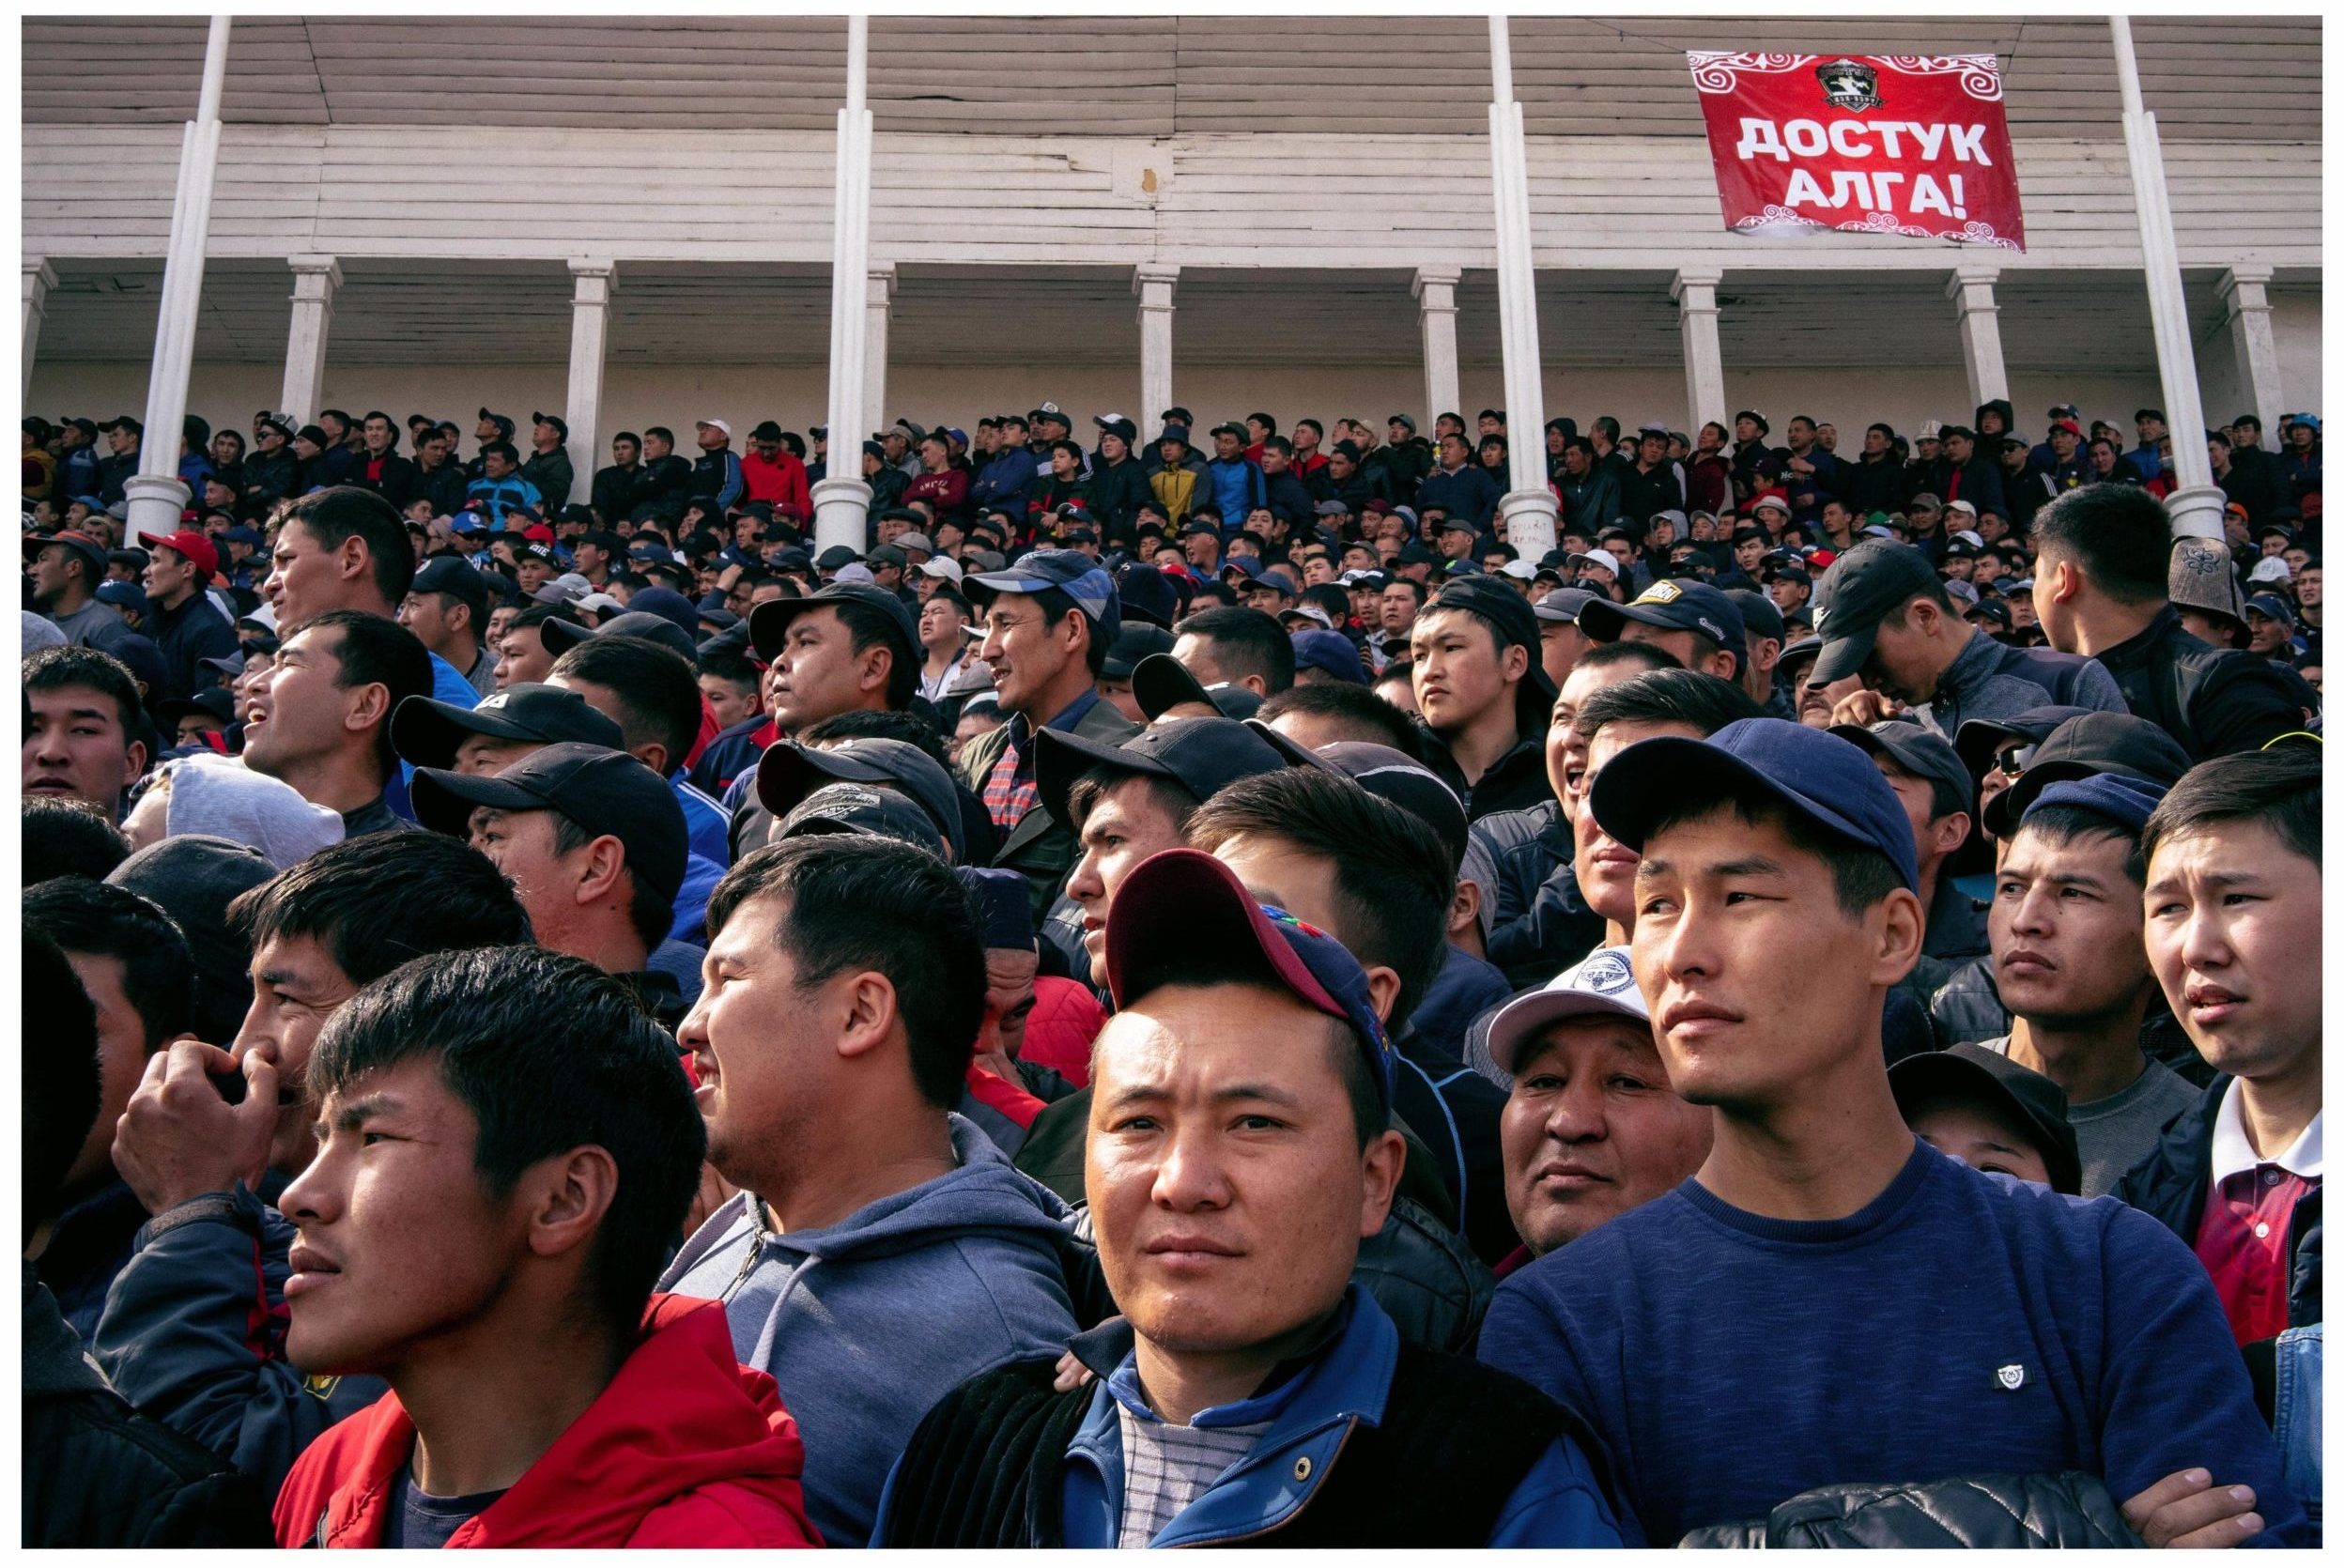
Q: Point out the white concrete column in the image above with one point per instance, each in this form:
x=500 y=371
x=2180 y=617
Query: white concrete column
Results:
x=592 y=278
x=314 y=282
x=2196 y=507
x=842 y=499
x=1154 y=282
x=1695 y=291
x=878 y=294
x=156 y=493
x=1435 y=288
x=1971 y=289
x=40 y=278
x=2245 y=294
x=1529 y=507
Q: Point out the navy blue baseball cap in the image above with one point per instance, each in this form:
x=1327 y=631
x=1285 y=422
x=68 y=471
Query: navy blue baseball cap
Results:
x=2126 y=802
x=1331 y=653
x=1674 y=604
x=1181 y=909
x=1070 y=572
x=1829 y=782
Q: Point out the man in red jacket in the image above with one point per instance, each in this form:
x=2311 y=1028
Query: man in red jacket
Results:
x=506 y=1152
x=770 y=473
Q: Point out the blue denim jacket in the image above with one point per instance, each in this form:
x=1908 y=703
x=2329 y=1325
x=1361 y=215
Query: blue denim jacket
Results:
x=1559 y=1503
x=2295 y=1414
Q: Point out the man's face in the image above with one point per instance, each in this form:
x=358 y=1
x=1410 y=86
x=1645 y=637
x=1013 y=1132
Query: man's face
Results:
x=817 y=673
x=1026 y=649
x=2232 y=931
x=1126 y=825
x=1225 y=444
x=2308 y=587
x=940 y=622
x=729 y=701
x=121 y=1062
x=1226 y=1181
x=1399 y=609
x=484 y=754
x=521 y=846
x=1606 y=868
x=121 y=440
x=433 y=618
x=1560 y=644
x=1458 y=669
x=2265 y=635
x=532 y=573
x=1958 y=449
x=401 y=1241
x=1591 y=1129
x=51 y=570
x=710 y=437
x=76 y=749
x=304 y=578
x=379 y=433
x=523 y=656
x=2065 y=929
x=297 y=986
x=496 y=465
x=300 y=714
x=1902 y=664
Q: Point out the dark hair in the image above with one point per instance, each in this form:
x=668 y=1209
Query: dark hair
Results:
x=549 y=1055
x=1278 y=444
x=658 y=690
x=1265 y=421
x=537 y=615
x=603 y=540
x=627 y=436
x=734 y=669
x=55 y=669
x=860 y=903
x=1363 y=714
x=100 y=920
x=1860 y=877
x=2118 y=533
x=871 y=723
x=2066 y=825
x=1394 y=879
x=1413 y=586
x=661 y=431
x=63 y=836
x=371 y=650
x=62 y=1092
x=375 y=901
x=502 y=449
x=2278 y=787
x=334 y=516
x=1666 y=696
x=1073 y=449
x=1174 y=798
x=1245 y=641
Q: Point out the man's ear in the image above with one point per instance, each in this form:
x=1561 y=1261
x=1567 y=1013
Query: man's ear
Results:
x=1384 y=990
x=1949 y=831
x=568 y=1194
x=1897 y=924
x=606 y=864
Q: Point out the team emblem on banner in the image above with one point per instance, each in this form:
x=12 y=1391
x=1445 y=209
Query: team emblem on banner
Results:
x=1850 y=87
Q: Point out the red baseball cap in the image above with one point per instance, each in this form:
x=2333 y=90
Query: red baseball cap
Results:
x=537 y=534
x=2068 y=425
x=195 y=547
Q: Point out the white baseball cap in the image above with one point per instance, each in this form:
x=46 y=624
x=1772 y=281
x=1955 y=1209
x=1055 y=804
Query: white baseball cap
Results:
x=1601 y=984
x=940 y=566
x=716 y=425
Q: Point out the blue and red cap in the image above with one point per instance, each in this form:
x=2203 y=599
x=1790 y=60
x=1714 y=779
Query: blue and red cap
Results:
x=1180 y=908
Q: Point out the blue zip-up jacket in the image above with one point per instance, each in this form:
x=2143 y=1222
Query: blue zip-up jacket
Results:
x=1238 y=487
x=193 y=1335
x=78 y=474
x=703 y=819
x=1004 y=483
x=493 y=498
x=718 y=475
x=1559 y=1503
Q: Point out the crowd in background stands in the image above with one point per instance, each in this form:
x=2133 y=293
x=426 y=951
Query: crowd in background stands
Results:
x=1689 y=914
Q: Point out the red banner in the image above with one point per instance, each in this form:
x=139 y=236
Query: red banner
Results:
x=1910 y=144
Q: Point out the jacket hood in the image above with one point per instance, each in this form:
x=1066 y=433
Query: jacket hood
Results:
x=682 y=1416
x=54 y=1361
x=984 y=1194
x=2000 y=406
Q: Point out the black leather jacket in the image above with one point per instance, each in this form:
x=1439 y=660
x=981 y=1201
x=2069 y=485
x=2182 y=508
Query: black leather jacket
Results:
x=1541 y=926
x=2069 y=1508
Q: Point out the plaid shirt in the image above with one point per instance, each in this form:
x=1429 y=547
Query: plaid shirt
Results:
x=1012 y=790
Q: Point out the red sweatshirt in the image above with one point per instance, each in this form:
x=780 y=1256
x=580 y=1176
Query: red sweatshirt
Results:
x=783 y=480
x=685 y=1448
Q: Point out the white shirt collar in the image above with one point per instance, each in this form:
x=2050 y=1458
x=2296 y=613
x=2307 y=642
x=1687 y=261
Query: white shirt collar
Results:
x=2232 y=1155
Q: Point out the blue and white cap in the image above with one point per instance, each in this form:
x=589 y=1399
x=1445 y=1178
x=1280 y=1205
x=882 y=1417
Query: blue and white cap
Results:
x=1070 y=572
x=1600 y=985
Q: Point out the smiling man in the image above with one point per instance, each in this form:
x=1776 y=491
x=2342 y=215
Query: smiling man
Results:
x=193 y=1328
x=1240 y=1148
x=505 y=1150
x=2087 y=1338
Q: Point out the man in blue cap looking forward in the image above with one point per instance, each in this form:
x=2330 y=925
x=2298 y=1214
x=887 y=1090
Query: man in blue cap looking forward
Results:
x=1936 y=1322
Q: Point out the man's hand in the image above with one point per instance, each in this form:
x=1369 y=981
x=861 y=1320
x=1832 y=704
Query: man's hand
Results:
x=2186 y=1509
x=1865 y=707
x=180 y=1139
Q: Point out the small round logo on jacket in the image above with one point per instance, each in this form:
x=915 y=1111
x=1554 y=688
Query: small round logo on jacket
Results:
x=2009 y=1377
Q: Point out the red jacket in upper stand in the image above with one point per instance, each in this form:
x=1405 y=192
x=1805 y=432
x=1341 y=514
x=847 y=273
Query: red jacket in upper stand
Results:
x=779 y=482
x=685 y=1448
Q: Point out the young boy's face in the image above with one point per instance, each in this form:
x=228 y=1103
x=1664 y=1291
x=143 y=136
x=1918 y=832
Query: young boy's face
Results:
x=1974 y=1134
x=400 y=1243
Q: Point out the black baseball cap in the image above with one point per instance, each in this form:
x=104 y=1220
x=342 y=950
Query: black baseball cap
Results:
x=1135 y=642
x=1399 y=779
x=1677 y=604
x=1760 y=615
x=1494 y=601
x=426 y=733
x=2092 y=742
x=769 y=623
x=1822 y=778
x=1146 y=594
x=559 y=637
x=1864 y=585
x=1979 y=739
x=1161 y=683
x=454 y=576
x=789 y=773
x=851 y=808
x=603 y=791
x=2028 y=1101
x=1922 y=752
x=1201 y=755
x=1562 y=606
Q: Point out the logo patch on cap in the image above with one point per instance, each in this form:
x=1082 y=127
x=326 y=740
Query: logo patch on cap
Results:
x=1605 y=973
x=1660 y=593
x=494 y=699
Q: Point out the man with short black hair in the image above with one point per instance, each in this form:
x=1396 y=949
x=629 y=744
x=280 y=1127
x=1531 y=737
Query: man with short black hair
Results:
x=2104 y=563
x=507 y=1126
x=653 y=693
x=84 y=739
x=846 y=982
x=1482 y=695
x=1818 y=1222
x=1232 y=645
x=321 y=720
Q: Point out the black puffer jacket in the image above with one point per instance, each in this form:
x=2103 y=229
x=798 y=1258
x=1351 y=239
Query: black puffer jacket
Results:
x=98 y=1474
x=2070 y=1507
x=1541 y=926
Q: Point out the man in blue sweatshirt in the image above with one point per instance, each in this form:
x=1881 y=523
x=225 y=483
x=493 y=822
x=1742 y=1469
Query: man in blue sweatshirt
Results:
x=881 y=1251
x=1828 y=1301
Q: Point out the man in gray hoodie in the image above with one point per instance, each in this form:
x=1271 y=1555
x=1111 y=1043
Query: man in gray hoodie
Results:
x=881 y=1251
